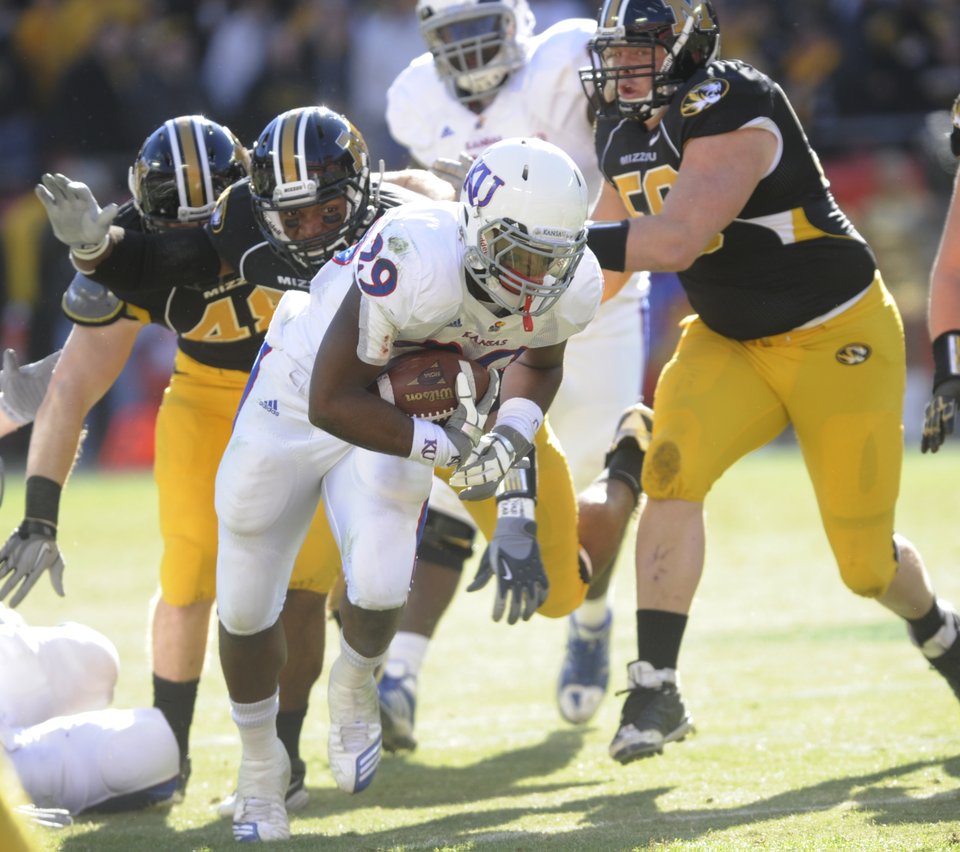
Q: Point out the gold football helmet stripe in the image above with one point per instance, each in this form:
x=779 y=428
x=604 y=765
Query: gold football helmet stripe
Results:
x=287 y=148
x=193 y=177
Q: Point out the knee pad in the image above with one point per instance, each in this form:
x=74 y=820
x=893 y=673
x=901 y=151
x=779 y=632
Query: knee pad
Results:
x=250 y=590
x=446 y=541
x=867 y=561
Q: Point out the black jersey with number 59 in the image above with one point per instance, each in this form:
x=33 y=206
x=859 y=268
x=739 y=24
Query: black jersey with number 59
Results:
x=791 y=254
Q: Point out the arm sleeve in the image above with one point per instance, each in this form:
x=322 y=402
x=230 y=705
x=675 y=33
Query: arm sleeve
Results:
x=181 y=257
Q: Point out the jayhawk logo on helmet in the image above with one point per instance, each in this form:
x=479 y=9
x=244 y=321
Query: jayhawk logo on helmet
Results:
x=703 y=96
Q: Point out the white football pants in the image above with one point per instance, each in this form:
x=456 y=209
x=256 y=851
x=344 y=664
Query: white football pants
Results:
x=275 y=470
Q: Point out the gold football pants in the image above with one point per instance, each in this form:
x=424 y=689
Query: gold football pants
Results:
x=840 y=384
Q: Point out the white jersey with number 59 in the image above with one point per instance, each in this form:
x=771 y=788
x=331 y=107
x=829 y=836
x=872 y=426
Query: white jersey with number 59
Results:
x=543 y=99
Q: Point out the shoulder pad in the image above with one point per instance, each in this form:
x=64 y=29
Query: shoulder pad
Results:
x=89 y=303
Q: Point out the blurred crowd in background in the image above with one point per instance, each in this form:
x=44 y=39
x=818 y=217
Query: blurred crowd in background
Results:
x=83 y=83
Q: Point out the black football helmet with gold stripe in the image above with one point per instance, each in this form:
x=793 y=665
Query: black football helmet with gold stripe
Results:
x=310 y=157
x=686 y=32
x=182 y=168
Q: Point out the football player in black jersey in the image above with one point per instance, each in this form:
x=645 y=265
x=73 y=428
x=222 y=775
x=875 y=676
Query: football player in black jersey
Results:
x=178 y=175
x=793 y=325
x=940 y=416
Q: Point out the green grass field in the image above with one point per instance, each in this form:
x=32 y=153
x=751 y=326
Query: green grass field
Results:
x=819 y=725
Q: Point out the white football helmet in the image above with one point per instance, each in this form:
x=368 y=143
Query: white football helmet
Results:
x=475 y=43
x=524 y=207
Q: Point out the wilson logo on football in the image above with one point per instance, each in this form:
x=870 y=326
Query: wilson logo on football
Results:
x=853 y=353
x=432 y=395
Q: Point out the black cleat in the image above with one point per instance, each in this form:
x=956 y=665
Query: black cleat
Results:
x=182 y=778
x=653 y=714
x=942 y=650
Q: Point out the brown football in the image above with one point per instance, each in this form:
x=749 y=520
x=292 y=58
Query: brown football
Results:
x=421 y=383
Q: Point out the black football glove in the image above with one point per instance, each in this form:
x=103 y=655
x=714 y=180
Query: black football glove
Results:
x=940 y=415
x=30 y=550
x=514 y=556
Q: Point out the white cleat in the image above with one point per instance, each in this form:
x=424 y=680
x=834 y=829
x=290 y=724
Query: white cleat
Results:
x=355 y=741
x=260 y=813
x=297 y=795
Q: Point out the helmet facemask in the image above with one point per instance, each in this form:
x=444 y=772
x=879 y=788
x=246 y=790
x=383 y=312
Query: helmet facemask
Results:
x=677 y=48
x=313 y=251
x=475 y=46
x=524 y=274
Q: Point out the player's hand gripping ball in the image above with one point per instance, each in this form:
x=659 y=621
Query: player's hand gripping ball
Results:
x=422 y=383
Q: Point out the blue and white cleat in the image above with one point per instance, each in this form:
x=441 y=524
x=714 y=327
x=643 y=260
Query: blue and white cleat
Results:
x=260 y=813
x=398 y=707
x=586 y=670
x=355 y=742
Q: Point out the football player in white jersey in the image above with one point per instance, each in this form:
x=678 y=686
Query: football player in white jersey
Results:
x=22 y=389
x=70 y=750
x=484 y=78
x=509 y=255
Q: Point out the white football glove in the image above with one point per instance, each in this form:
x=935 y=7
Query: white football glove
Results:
x=497 y=451
x=76 y=217
x=464 y=427
x=22 y=388
x=453 y=172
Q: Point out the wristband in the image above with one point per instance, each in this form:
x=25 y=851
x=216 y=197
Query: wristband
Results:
x=43 y=500
x=431 y=445
x=520 y=482
x=521 y=414
x=946 y=357
x=608 y=241
x=516 y=507
x=91 y=253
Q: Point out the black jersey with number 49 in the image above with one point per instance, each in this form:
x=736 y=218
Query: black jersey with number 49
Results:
x=791 y=254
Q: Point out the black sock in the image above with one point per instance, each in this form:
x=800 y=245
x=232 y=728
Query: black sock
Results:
x=176 y=701
x=626 y=464
x=926 y=626
x=289 y=725
x=659 y=634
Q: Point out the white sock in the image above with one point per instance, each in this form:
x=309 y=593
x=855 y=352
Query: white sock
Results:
x=353 y=670
x=592 y=613
x=257 y=723
x=406 y=654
